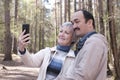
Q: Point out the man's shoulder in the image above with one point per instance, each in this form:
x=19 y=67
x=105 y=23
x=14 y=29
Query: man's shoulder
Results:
x=97 y=37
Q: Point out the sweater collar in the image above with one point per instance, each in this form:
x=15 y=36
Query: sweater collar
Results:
x=63 y=48
x=69 y=54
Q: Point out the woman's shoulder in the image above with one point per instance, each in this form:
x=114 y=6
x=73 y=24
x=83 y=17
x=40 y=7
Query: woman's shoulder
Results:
x=49 y=49
x=71 y=53
x=53 y=48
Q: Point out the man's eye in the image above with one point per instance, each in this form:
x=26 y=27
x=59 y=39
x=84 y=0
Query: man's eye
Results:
x=77 y=21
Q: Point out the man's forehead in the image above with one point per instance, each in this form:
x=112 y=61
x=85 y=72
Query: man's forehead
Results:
x=76 y=15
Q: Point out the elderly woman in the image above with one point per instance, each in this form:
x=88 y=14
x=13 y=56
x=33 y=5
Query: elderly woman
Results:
x=53 y=62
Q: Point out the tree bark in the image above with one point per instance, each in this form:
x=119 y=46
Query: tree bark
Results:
x=112 y=28
x=61 y=12
x=90 y=5
x=65 y=10
x=40 y=32
x=8 y=37
x=69 y=10
x=75 y=5
x=15 y=45
x=43 y=34
x=83 y=4
x=102 y=30
x=16 y=10
x=80 y=4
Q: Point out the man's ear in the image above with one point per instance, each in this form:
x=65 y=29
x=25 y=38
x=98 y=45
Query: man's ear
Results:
x=90 y=22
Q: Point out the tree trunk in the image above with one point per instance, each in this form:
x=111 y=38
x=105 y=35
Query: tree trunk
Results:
x=56 y=22
x=43 y=34
x=15 y=45
x=112 y=29
x=102 y=30
x=83 y=4
x=31 y=49
x=65 y=11
x=79 y=4
x=40 y=32
x=61 y=12
x=69 y=10
x=75 y=5
x=90 y=5
x=16 y=10
x=8 y=37
x=35 y=44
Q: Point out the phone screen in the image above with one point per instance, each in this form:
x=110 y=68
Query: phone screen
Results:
x=26 y=28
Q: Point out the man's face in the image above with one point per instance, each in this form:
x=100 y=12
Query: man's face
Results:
x=79 y=24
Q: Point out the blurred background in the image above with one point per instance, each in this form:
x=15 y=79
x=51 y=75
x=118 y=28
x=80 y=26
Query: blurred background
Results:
x=45 y=17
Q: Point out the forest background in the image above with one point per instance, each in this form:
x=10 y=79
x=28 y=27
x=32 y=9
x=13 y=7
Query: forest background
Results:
x=45 y=17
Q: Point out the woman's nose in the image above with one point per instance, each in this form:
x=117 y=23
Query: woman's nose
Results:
x=62 y=34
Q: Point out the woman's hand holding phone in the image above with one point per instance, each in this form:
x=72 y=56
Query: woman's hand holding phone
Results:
x=24 y=38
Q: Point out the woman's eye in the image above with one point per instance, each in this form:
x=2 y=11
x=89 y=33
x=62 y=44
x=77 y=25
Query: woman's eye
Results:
x=67 y=32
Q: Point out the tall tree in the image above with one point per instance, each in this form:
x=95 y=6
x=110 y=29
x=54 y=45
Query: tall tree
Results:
x=61 y=12
x=35 y=44
x=100 y=10
x=14 y=39
x=16 y=10
x=83 y=4
x=7 y=38
x=43 y=35
x=112 y=29
x=56 y=22
x=79 y=4
x=68 y=8
x=65 y=10
x=90 y=5
x=75 y=5
x=40 y=34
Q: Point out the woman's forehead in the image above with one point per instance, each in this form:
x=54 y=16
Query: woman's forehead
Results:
x=69 y=28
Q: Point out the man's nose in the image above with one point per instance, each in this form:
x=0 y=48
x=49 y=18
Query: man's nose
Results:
x=74 y=26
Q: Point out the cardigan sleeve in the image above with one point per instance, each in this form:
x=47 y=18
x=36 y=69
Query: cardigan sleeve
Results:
x=33 y=60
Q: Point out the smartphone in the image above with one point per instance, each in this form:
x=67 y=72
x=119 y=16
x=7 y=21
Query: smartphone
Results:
x=26 y=28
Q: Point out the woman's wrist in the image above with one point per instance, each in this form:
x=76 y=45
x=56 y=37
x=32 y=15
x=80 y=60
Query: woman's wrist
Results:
x=22 y=51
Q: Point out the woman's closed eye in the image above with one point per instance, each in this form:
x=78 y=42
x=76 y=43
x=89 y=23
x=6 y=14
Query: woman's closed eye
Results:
x=67 y=32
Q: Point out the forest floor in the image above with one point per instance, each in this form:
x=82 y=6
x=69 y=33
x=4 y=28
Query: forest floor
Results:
x=16 y=70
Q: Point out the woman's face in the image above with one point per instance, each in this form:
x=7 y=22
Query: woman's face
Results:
x=65 y=36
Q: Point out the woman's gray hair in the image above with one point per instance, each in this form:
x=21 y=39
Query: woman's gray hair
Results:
x=67 y=24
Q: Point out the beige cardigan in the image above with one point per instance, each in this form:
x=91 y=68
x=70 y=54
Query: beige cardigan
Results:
x=41 y=59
